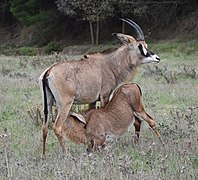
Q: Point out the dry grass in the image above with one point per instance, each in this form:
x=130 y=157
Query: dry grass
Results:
x=173 y=105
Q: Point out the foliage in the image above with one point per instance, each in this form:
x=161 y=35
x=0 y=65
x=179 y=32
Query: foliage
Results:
x=26 y=11
x=53 y=47
x=47 y=25
x=171 y=77
x=30 y=12
x=5 y=12
x=7 y=49
x=128 y=8
x=27 y=51
x=87 y=10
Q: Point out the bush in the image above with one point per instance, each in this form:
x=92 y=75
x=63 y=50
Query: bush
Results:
x=8 y=49
x=52 y=47
x=27 y=51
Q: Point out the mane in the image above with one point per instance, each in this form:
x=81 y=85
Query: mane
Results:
x=110 y=50
x=106 y=51
x=123 y=84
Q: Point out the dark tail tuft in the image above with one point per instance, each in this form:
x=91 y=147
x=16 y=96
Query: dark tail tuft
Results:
x=44 y=82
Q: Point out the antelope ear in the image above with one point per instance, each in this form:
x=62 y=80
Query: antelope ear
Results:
x=125 y=39
x=78 y=116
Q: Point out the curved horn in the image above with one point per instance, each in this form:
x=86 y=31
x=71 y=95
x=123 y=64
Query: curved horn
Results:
x=139 y=32
x=138 y=27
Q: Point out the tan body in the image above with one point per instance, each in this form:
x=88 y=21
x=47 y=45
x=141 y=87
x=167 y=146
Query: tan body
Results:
x=125 y=108
x=74 y=129
x=88 y=80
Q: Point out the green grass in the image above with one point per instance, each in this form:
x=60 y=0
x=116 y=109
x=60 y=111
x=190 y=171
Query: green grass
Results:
x=174 y=106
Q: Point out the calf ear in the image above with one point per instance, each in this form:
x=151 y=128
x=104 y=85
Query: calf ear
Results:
x=125 y=39
x=78 y=116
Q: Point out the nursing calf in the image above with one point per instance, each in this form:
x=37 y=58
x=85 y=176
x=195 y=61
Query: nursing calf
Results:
x=124 y=108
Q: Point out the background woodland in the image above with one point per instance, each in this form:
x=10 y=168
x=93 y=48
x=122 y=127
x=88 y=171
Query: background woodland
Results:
x=67 y=22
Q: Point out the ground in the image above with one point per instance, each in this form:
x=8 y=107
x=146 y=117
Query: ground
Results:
x=169 y=95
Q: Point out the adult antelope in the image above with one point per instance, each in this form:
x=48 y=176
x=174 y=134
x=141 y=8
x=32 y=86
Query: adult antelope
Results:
x=90 y=79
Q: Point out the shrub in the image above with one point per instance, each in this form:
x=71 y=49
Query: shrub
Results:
x=8 y=49
x=27 y=51
x=52 y=47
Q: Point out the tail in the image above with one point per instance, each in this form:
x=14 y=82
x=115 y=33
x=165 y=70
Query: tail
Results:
x=43 y=88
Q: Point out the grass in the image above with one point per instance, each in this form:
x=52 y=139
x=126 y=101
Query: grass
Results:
x=169 y=95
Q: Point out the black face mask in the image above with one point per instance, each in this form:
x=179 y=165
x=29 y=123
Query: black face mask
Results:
x=145 y=52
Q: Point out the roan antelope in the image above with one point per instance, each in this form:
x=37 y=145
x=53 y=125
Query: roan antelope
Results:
x=124 y=109
x=90 y=79
x=93 y=126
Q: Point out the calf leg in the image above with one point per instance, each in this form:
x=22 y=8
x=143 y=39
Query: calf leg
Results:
x=149 y=120
x=95 y=143
x=90 y=147
x=137 y=125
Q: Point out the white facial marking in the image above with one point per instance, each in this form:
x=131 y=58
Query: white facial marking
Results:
x=156 y=57
x=151 y=59
x=144 y=50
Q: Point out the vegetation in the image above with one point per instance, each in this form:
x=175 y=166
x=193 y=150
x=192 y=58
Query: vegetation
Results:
x=27 y=51
x=59 y=20
x=88 y=10
x=52 y=47
x=26 y=11
x=36 y=33
x=169 y=95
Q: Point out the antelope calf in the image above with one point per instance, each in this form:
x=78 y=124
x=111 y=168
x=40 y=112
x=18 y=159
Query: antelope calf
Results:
x=124 y=108
x=74 y=128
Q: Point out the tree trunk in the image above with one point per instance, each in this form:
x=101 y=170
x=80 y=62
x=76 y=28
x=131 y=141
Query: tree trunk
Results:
x=5 y=8
x=91 y=31
x=97 y=29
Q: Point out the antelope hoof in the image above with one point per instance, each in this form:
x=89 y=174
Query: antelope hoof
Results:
x=89 y=151
x=65 y=151
x=156 y=131
x=161 y=141
x=43 y=157
x=136 y=139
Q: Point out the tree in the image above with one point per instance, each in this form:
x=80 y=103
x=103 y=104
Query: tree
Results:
x=91 y=11
x=33 y=12
x=5 y=14
x=126 y=8
x=26 y=11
